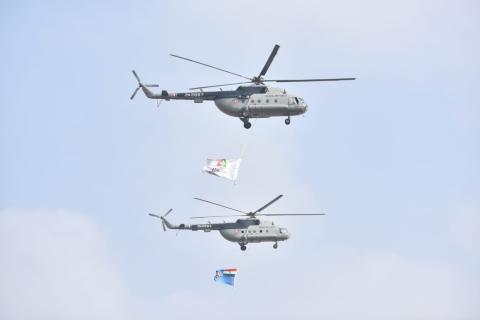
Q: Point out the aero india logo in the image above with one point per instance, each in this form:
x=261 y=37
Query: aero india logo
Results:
x=222 y=163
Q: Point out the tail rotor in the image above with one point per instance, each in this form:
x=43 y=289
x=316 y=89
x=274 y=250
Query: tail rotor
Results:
x=140 y=85
x=161 y=218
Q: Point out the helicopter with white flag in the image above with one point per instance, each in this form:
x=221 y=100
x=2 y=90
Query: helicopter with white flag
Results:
x=249 y=229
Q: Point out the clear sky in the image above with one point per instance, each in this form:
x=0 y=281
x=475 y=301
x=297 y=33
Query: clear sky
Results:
x=392 y=157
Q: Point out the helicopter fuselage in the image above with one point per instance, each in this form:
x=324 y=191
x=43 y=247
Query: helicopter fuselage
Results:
x=262 y=105
x=254 y=101
x=255 y=232
x=242 y=231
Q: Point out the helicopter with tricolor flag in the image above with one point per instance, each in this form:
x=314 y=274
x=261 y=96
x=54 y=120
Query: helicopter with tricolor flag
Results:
x=248 y=229
x=252 y=99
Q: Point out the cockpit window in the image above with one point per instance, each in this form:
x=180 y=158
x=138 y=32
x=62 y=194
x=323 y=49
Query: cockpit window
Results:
x=296 y=100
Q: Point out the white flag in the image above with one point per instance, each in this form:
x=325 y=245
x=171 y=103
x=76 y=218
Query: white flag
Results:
x=225 y=168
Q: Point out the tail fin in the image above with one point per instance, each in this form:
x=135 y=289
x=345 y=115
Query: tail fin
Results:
x=165 y=223
x=144 y=87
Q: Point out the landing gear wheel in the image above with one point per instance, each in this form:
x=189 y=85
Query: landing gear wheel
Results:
x=275 y=245
x=243 y=248
x=287 y=121
x=246 y=123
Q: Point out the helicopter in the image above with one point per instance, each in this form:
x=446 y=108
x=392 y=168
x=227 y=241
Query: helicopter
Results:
x=255 y=100
x=242 y=231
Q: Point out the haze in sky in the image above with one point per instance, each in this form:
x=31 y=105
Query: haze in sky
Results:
x=392 y=158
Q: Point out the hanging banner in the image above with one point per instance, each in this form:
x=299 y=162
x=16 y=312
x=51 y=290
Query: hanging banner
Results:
x=225 y=168
x=226 y=276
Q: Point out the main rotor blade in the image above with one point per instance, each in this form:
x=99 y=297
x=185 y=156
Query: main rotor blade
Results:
x=220 y=85
x=207 y=65
x=154 y=215
x=220 y=205
x=278 y=197
x=233 y=215
x=269 y=61
x=309 y=80
x=290 y=214
x=264 y=214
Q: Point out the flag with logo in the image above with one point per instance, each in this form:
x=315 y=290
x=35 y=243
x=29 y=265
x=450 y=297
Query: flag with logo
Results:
x=225 y=168
x=226 y=276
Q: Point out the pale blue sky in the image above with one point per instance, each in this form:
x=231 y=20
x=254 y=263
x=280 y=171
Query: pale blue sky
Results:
x=392 y=157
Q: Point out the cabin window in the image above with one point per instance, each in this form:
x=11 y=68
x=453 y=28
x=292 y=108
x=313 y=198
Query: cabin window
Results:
x=243 y=231
x=252 y=101
x=275 y=100
x=267 y=101
x=261 y=231
x=259 y=100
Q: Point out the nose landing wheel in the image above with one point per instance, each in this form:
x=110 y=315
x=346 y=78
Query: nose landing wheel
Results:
x=275 y=245
x=243 y=247
x=287 y=121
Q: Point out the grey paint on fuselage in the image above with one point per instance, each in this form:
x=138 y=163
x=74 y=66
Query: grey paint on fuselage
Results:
x=242 y=231
x=255 y=101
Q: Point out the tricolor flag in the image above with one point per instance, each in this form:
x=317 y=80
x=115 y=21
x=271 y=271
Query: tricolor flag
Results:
x=225 y=168
x=226 y=276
